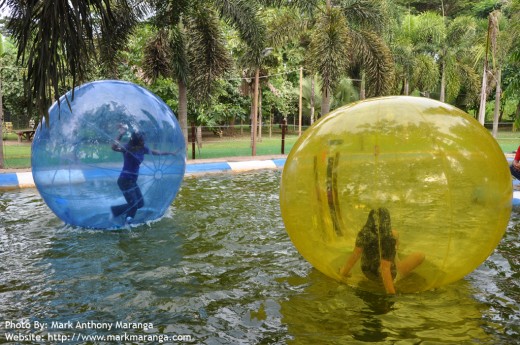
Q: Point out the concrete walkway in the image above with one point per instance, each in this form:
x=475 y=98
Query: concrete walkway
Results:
x=22 y=178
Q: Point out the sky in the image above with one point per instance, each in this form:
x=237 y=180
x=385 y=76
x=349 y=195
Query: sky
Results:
x=4 y=11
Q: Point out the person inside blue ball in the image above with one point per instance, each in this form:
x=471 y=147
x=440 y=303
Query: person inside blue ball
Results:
x=133 y=155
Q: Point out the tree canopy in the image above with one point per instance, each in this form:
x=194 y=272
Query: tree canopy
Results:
x=200 y=55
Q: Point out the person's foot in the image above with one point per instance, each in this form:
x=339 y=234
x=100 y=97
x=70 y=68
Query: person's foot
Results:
x=112 y=219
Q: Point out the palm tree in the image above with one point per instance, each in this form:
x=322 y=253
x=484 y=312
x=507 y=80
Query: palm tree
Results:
x=343 y=39
x=491 y=37
x=425 y=76
x=329 y=51
x=428 y=35
x=291 y=26
x=428 y=48
x=59 y=39
x=511 y=80
x=499 y=54
x=190 y=49
x=459 y=79
x=309 y=97
x=1 y=108
x=404 y=53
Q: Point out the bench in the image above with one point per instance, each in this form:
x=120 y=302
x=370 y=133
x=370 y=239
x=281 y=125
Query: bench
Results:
x=27 y=134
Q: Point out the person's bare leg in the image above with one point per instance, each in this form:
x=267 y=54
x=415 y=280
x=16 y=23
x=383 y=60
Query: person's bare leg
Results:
x=408 y=264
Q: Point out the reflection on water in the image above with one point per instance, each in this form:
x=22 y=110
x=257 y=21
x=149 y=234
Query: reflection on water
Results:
x=221 y=268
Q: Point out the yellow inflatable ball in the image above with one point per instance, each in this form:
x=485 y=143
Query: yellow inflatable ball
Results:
x=396 y=194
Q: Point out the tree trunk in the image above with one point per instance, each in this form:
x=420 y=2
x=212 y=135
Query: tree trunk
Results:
x=312 y=100
x=1 y=129
x=492 y=32
x=1 y=111
x=251 y=115
x=199 y=137
x=1 y=142
x=183 y=111
x=518 y=110
x=259 y=115
x=254 y=115
x=325 y=101
x=442 y=97
x=300 y=105
x=270 y=123
x=232 y=125
x=406 y=86
x=482 y=108
x=362 y=87
x=498 y=94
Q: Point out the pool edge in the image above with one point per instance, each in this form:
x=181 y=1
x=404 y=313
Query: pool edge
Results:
x=23 y=179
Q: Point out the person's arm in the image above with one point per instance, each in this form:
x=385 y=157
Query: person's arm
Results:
x=116 y=146
x=516 y=161
x=386 y=275
x=351 y=261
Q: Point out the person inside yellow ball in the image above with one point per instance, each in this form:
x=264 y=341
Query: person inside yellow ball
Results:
x=376 y=245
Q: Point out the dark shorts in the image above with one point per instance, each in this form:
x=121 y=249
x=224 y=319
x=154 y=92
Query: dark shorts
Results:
x=373 y=272
x=514 y=172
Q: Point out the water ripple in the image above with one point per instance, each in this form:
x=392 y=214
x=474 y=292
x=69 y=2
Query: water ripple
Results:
x=220 y=267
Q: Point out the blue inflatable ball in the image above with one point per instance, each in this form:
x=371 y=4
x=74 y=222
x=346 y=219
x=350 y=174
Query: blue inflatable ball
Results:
x=111 y=154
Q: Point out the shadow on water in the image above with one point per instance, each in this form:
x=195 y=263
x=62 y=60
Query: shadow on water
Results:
x=221 y=268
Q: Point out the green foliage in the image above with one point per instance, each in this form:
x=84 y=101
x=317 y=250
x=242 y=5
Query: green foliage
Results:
x=280 y=98
x=426 y=74
x=206 y=45
x=243 y=16
x=207 y=55
x=307 y=94
x=376 y=60
x=158 y=57
x=482 y=8
x=167 y=90
x=284 y=26
x=56 y=41
x=345 y=93
x=431 y=31
x=364 y=13
x=15 y=102
x=329 y=53
x=228 y=105
x=511 y=70
x=430 y=50
x=451 y=8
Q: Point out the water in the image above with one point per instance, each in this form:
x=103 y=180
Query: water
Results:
x=220 y=268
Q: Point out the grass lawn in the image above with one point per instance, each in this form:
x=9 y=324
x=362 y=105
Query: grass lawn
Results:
x=509 y=141
x=18 y=155
x=241 y=147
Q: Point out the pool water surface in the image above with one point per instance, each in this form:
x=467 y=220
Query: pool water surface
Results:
x=220 y=268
